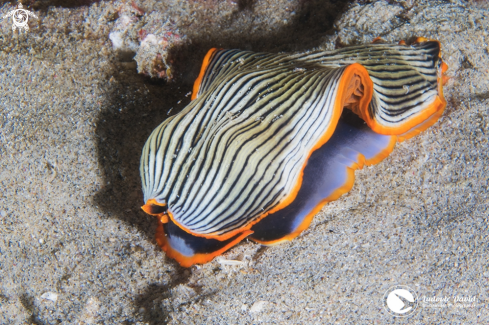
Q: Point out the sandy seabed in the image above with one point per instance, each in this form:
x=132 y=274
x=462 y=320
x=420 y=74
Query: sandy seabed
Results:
x=75 y=247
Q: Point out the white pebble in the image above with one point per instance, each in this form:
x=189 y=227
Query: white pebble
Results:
x=41 y=241
x=258 y=306
x=50 y=296
x=116 y=38
x=3 y=213
x=223 y=261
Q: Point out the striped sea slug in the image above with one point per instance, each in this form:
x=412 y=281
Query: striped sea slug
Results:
x=267 y=141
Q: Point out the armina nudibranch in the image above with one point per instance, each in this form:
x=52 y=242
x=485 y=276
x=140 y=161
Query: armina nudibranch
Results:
x=267 y=141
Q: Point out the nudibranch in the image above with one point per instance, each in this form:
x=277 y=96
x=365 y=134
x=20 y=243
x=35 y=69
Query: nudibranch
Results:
x=267 y=141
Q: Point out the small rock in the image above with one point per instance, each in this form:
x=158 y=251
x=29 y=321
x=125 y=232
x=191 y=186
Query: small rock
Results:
x=3 y=213
x=90 y=312
x=244 y=308
x=137 y=248
x=258 y=306
x=50 y=296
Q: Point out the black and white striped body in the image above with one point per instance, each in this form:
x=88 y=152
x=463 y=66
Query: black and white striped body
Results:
x=238 y=150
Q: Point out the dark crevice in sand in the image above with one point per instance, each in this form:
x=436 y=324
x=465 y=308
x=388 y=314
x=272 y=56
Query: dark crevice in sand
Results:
x=245 y=4
x=259 y=253
x=150 y=304
x=28 y=302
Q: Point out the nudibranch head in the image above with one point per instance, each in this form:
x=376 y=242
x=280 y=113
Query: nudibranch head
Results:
x=266 y=142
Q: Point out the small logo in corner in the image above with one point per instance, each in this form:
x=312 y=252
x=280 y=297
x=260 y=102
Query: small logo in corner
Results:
x=20 y=18
x=400 y=301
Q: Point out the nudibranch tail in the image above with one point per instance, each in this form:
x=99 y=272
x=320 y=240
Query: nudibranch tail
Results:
x=267 y=141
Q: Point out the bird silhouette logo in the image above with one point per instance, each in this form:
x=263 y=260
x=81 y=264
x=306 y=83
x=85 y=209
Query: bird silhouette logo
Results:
x=400 y=301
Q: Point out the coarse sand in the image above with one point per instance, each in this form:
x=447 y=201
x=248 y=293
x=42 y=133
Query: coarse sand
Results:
x=75 y=248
